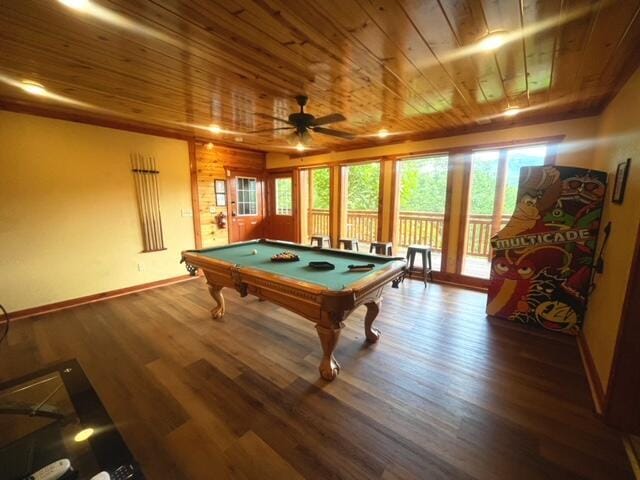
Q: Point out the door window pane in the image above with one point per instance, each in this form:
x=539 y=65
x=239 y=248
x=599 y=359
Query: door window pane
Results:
x=247 y=196
x=284 y=202
x=422 y=196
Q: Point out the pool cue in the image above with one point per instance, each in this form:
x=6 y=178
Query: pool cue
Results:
x=149 y=198
x=140 y=197
x=156 y=185
x=153 y=199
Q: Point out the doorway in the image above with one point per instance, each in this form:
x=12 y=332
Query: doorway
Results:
x=315 y=203
x=281 y=208
x=245 y=208
x=421 y=205
x=493 y=176
x=360 y=203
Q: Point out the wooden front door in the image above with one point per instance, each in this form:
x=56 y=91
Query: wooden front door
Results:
x=281 y=207
x=246 y=206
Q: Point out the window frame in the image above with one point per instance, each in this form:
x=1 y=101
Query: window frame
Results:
x=240 y=203
x=275 y=196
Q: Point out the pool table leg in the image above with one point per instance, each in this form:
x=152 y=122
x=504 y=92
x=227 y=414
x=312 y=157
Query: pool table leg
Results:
x=329 y=367
x=216 y=293
x=372 y=333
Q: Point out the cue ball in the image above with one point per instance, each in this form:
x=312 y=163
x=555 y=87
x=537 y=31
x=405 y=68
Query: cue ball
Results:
x=255 y=252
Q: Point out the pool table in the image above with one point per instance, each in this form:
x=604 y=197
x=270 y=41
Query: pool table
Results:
x=325 y=297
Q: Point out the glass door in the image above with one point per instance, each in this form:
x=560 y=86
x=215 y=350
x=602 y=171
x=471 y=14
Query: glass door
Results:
x=493 y=185
x=360 y=203
x=315 y=203
x=421 y=203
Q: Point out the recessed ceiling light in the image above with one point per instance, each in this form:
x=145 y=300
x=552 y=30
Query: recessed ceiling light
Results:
x=83 y=435
x=511 y=112
x=493 y=41
x=34 y=88
x=215 y=129
x=383 y=133
x=75 y=4
x=300 y=147
x=209 y=146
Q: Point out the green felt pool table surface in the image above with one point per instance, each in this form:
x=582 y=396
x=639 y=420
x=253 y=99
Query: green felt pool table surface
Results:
x=341 y=278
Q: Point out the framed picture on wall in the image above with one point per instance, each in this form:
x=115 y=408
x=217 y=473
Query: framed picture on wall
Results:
x=220 y=188
x=622 y=172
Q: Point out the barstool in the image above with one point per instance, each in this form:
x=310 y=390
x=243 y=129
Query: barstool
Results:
x=381 y=248
x=319 y=240
x=425 y=251
x=349 y=244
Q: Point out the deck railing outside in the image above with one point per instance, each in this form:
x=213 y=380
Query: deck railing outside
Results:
x=413 y=228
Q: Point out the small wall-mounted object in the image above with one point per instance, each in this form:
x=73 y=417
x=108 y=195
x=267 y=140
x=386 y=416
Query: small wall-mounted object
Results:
x=622 y=172
x=145 y=176
x=221 y=220
x=220 y=188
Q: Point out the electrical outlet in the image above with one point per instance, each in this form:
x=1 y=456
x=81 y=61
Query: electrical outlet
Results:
x=141 y=267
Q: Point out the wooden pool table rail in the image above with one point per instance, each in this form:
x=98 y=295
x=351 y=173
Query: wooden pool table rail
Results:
x=326 y=308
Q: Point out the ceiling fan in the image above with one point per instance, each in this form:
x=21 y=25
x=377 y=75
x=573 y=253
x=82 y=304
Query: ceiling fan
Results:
x=303 y=123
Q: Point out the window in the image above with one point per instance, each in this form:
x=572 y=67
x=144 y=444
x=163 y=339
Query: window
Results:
x=283 y=196
x=315 y=201
x=247 y=196
x=422 y=198
x=360 y=207
x=493 y=186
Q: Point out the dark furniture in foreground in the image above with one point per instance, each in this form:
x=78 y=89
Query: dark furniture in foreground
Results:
x=325 y=297
x=425 y=253
x=41 y=415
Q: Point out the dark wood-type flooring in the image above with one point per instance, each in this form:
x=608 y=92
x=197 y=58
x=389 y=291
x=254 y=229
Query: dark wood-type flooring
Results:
x=445 y=394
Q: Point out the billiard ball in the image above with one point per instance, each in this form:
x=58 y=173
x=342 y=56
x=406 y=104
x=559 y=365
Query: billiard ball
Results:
x=255 y=252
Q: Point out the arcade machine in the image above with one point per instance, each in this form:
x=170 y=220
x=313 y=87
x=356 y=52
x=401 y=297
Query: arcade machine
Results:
x=542 y=259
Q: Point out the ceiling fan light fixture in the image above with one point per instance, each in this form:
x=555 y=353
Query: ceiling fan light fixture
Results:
x=383 y=133
x=492 y=41
x=292 y=139
x=511 y=112
x=215 y=129
x=300 y=147
x=305 y=138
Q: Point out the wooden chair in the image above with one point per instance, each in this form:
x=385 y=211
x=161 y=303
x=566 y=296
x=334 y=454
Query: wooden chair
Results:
x=319 y=240
x=349 y=244
x=425 y=252
x=381 y=248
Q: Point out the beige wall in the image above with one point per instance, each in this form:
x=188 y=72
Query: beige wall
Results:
x=68 y=218
x=618 y=139
x=576 y=150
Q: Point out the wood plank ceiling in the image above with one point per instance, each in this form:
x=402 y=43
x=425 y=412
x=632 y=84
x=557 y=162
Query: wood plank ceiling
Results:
x=408 y=66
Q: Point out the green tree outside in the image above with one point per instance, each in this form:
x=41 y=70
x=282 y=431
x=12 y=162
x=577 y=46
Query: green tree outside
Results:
x=423 y=182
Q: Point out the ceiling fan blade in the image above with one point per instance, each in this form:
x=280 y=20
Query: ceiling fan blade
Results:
x=333 y=118
x=334 y=133
x=263 y=115
x=272 y=129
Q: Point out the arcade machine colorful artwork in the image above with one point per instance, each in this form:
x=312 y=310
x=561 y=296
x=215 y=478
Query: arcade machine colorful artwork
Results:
x=542 y=259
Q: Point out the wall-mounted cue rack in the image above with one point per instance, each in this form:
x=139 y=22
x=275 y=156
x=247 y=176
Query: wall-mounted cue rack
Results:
x=145 y=176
